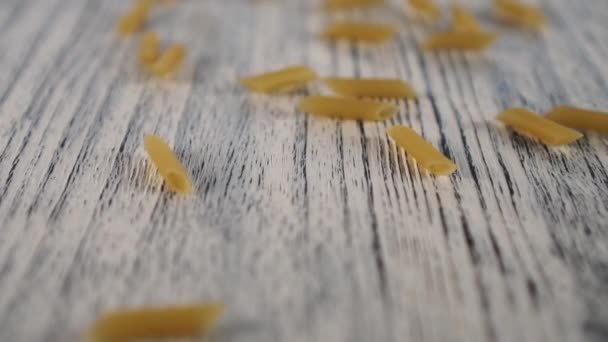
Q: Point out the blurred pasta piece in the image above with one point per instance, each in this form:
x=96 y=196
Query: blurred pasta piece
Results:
x=386 y=88
x=547 y=131
x=579 y=118
x=463 y=20
x=460 y=40
x=426 y=8
x=135 y=19
x=427 y=156
x=340 y=5
x=169 y=167
x=358 y=31
x=155 y=323
x=149 y=48
x=347 y=108
x=169 y=62
x=521 y=14
x=290 y=78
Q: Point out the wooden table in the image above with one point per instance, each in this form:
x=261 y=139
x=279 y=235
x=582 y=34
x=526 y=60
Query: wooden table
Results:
x=309 y=229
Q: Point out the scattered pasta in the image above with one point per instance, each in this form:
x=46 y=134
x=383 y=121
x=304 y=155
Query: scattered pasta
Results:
x=347 y=108
x=426 y=8
x=367 y=32
x=371 y=87
x=290 y=78
x=519 y=13
x=149 y=48
x=427 y=156
x=134 y=19
x=168 y=63
x=156 y=322
x=460 y=40
x=463 y=20
x=169 y=167
x=339 y=5
x=545 y=130
x=579 y=118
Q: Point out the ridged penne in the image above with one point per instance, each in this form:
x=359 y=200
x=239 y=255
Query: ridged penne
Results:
x=168 y=63
x=521 y=14
x=371 y=87
x=290 y=78
x=340 y=5
x=460 y=40
x=547 y=131
x=463 y=20
x=149 y=48
x=155 y=323
x=347 y=108
x=427 y=156
x=579 y=118
x=367 y=32
x=169 y=167
x=426 y=8
x=134 y=19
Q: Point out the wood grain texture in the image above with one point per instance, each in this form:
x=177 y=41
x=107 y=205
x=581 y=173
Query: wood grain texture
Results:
x=309 y=229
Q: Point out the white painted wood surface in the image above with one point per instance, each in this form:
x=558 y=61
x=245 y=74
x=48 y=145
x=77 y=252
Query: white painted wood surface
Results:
x=309 y=229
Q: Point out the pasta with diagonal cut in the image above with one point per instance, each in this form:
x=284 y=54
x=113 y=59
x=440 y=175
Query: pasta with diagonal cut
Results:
x=347 y=108
x=427 y=156
x=547 y=131
x=149 y=48
x=169 y=62
x=134 y=19
x=290 y=78
x=426 y=8
x=579 y=118
x=371 y=87
x=358 y=31
x=169 y=167
x=340 y=5
x=460 y=40
x=463 y=20
x=520 y=14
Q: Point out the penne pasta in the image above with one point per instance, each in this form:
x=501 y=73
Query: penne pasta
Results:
x=371 y=87
x=367 y=32
x=579 y=118
x=169 y=167
x=168 y=63
x=340 y=5
x=426 y=8
x=290 y=78
x=463 y=20
x=427 y=156
x=134 y=19
x=156 y=322
x=521 y=14
x=547 y=131
x=346 y=108
x=460 y=40
x=149 y=48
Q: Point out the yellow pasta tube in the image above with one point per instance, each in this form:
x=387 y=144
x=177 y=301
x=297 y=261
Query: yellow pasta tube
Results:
x=169 y=61
x=290 y=78
x=367 y=32
x=347 y=108
x=427 y=156
x=169 y=167
x=134 y=19
x=156 y=322
x=371 y=87
x=579 y=118
x=149 y=48
x=339 y=5
x=521 y=14
x=426 y=8
x=460 y=40
x=545 y=130
x=463 y=20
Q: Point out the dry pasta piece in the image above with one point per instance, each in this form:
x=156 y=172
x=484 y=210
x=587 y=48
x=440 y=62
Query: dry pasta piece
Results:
x=463 y=20
x=367 y=32
x=134 y=19
x=168 y=63
x=347 y=108
x=460 y=40
x=339 y=5
x=149 y=48
x=371 y=87
x=521 y=14
x=545 y=130
x=579 y=118
x=290 y=78
x=156 y=322
x=427 y=156
x=169 y=167
x=426 y=8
